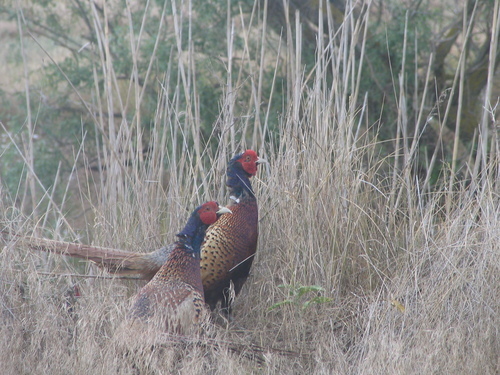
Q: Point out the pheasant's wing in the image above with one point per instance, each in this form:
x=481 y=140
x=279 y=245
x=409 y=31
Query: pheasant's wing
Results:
x=176 y=305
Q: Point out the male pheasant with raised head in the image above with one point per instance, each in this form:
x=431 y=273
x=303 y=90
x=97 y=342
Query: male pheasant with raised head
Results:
x=174 y=296
x=230 y=244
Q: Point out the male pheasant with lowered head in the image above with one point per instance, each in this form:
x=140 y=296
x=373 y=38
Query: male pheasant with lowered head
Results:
x=174 y=297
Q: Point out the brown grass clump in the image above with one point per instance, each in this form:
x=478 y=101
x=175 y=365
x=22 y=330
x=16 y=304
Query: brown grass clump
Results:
x=364 y=265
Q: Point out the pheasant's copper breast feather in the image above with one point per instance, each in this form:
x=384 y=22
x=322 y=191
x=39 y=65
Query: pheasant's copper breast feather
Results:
x=228 y=242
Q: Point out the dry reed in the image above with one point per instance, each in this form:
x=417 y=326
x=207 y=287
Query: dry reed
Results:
x=411 y=285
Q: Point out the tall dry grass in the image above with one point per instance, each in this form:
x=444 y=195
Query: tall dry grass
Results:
x=409 y=270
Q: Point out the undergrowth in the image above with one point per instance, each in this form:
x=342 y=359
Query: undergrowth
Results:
x=367 y=262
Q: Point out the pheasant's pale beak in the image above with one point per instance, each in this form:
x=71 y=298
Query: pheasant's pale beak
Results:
x=260 y=161
x=224 y=210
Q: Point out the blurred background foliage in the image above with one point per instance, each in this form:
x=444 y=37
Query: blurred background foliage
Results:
x=62 y=55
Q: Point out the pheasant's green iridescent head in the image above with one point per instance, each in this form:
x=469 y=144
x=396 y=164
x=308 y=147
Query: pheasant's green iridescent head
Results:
x=241 y=168
x=200 y=219
x=249 y=162
x=209 y=212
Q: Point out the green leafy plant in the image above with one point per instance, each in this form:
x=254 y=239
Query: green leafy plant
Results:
x=296 y=294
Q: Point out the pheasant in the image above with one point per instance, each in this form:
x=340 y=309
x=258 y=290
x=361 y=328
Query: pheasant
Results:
x=226 y=255
x=174 y=295
x=230 y=243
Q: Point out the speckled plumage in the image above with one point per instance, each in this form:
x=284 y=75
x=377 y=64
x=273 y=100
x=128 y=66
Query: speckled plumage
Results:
x=228 y=251
x=174 y=296
x=230 y=244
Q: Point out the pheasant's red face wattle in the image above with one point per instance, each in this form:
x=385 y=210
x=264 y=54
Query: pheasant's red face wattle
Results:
x=249 y=162
x=208 y=212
